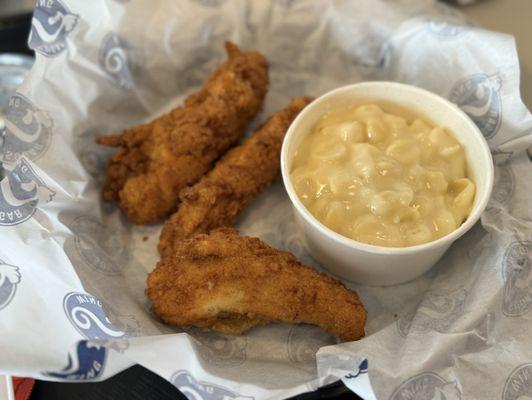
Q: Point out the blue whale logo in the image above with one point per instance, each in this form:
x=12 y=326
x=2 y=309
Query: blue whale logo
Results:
x=362 y=369
x=479 y=97
x=87 y=361
x=114 y=60
x=87 y=315
x=9 y=279
x=20 y=193
x=52 y=22
x=28 y=130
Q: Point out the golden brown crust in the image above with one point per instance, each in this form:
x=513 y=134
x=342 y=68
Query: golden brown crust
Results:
x=157 y=160
x=231 y=283
x=220 y=196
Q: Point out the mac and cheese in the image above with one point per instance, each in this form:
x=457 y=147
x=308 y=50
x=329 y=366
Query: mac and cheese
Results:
x=378 y=179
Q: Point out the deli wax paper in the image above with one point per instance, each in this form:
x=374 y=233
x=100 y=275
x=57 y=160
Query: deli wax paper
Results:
x=73 y=269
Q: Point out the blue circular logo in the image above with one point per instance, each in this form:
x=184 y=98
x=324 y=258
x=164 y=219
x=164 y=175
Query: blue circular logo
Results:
x=52 y=23
x=86 y=314
x=20 y=193
x=219 y=349
x=443 y=22
x=9 y=279
x=99 y=247
x=518 y=386
x=304 y=341
x=443 y=28
x=114 y=61
x=479 y=97
x=438 y=312
x=427 y=385
x=517 y=270
x=93 y=161
x=28 y=130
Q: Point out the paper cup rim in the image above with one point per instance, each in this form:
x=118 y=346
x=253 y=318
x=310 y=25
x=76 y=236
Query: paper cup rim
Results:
x=474 y=215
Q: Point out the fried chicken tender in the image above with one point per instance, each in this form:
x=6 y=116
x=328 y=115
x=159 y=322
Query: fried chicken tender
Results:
x=158 y=159
x=219 y=197
x=231 y=283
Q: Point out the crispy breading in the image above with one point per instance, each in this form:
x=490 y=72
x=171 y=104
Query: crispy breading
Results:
x=220 y=196
x=230 y=283
x=157 y=160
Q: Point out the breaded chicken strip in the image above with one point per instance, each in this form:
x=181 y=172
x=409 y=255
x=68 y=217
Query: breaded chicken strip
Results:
x=219 y=197
x=231 y=283
x=157 y=160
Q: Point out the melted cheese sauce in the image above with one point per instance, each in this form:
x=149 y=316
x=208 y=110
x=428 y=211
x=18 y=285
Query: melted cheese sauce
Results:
x=376 y=178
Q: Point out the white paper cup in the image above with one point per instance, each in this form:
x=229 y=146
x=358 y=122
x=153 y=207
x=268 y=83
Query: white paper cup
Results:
x=375 y=265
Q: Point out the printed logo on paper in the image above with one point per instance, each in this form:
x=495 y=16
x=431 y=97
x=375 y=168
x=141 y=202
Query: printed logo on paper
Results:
x=52 y=23
x=285 y=236
x=518 y=386
x=445 y=22
x=517 y=270
x=126 y=323
x=194 y=390
x=479 y=97
x=86 y=314
x=87 y=361
x=504 y=184
x=21 y=191
x=100 y=247
x=92 y=158
x=353 y=365
x=304 y=341
x=114 y=60
x=445 y=29
x=361 y=370
x=9 y=279
x=219 y=349
x=93 y=162
x=437 y=312
x=427 y=386
x=28 y=130
x=504 y=179
x=501 y=157
x=378 y=57
x=372 y=49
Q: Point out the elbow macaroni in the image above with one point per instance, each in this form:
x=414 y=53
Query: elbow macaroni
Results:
x=374 y=177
